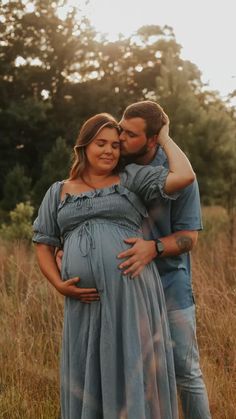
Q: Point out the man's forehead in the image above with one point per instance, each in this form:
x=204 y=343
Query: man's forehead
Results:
x=133 y=124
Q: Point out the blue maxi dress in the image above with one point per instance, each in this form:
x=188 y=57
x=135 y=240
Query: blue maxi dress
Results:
x=116 y=358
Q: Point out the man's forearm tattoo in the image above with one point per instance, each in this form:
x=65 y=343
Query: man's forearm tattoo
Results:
x=184 y=243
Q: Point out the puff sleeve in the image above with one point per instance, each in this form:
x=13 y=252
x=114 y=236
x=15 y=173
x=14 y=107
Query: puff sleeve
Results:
x=45 y=227
x=146 y=181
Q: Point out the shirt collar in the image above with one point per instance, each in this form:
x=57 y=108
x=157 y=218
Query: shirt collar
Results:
x=159 y=158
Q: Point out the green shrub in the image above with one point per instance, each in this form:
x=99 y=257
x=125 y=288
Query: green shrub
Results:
x=20 y=226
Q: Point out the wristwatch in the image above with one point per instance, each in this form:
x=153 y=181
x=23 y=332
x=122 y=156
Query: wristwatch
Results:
x=159 y=247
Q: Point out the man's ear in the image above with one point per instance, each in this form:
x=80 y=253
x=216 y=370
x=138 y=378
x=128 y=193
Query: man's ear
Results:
x=153 y=141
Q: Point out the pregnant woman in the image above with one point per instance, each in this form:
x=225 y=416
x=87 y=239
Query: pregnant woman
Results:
x=116 y=359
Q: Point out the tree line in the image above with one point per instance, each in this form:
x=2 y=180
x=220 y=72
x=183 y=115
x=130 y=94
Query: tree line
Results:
x=55 y=73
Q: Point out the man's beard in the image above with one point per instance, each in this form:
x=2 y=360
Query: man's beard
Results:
x=133 y=157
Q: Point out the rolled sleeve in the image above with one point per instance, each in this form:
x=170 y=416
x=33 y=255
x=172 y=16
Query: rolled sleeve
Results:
x=146 y=181
x=45 y=227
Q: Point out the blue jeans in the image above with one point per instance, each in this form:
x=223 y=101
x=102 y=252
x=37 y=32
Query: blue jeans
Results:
x=189 y=378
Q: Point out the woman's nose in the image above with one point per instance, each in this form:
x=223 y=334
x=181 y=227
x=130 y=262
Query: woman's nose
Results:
x=108 y=149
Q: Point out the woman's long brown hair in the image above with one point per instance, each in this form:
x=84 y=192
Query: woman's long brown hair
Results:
x=88 y=132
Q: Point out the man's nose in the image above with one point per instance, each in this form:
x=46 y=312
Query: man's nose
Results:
x=122 y=136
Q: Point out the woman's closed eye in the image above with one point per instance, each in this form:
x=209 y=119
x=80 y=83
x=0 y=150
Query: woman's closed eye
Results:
x=115 y=144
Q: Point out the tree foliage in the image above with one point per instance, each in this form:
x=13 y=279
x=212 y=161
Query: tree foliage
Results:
x=17 y=188
x=55 y=167
x=55 y=73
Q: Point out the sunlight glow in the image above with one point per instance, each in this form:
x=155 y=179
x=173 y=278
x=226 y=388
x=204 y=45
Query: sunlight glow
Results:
x=205 y=29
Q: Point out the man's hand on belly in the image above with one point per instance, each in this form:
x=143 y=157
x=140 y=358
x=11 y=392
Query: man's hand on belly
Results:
x=138 y=256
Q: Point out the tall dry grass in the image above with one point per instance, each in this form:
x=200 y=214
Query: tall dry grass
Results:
x=31 y=320
x=214 y=278
x=30 y=331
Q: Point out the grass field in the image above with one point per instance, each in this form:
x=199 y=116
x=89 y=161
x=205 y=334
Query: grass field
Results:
x=31 y=320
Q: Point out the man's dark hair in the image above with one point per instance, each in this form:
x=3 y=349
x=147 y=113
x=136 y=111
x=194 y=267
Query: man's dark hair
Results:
x=150 y=111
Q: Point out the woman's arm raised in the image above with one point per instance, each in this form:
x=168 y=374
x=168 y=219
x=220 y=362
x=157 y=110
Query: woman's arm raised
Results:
x=181 y=173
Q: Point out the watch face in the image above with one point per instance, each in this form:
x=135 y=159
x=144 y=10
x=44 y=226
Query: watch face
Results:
x=160 y=247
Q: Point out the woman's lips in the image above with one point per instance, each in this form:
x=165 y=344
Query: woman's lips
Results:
x=107 y=160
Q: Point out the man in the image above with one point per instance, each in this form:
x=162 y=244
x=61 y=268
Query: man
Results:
x=171 y=232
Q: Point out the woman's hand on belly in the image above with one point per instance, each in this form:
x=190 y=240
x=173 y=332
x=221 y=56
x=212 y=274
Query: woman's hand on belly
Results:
x=70 y=288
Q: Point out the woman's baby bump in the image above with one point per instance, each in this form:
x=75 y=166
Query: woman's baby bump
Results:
x=94 y=253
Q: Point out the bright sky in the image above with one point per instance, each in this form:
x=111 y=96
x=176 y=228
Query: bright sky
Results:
x=205 y=28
